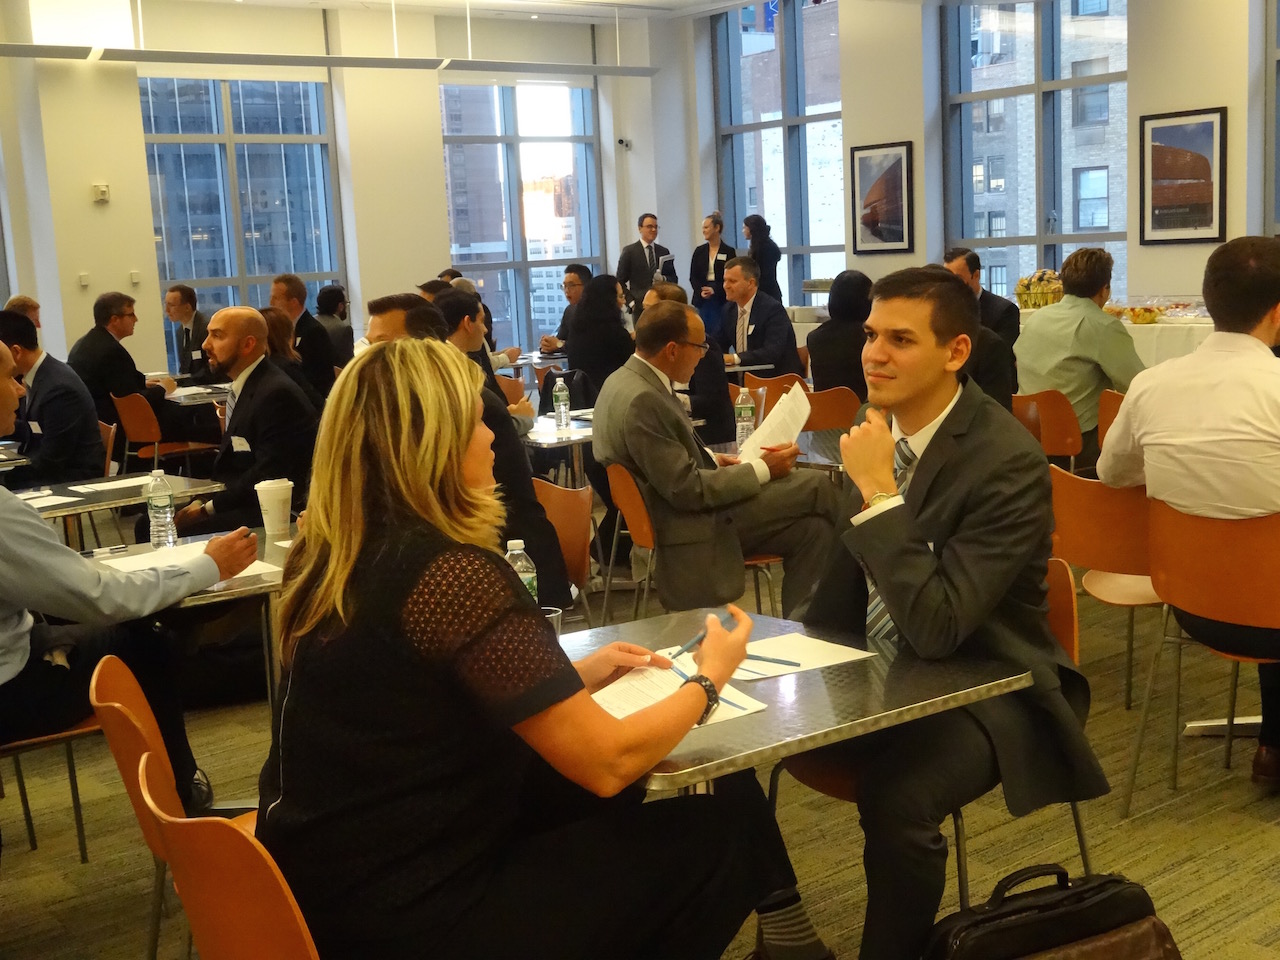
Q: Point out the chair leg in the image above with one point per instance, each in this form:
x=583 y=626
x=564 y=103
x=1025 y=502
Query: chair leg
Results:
x=773 y=604
x=1231 y=712
x=774 y=776
x=157 y=904
x=1174 y=731
x=1128 y=663
x=93 y=525
x=75 y=801
x=1142 y=730
x=962 y=859
x=755 y=576
x=1080 y=837
x=582 y=595
x=26 y=806
x=608 y=574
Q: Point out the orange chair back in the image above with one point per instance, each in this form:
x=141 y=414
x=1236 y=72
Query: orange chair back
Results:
x=1064 y=621
x=1108 y=407
x=774 y=388
x=833 y=409
x=540 y=374
x=804 y=360
x=570 y=513
x=137 y=419
x=512 y=388
x=1217 y=569
x=757 y=397
x=235 y=897
x=1099 y=527
x=627 y=498
x=1028 y=414
x=1059 y=430
x=108 y=432
x=131 y=731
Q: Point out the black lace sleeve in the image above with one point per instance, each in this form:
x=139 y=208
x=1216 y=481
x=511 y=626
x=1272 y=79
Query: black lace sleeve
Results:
x=470 y=612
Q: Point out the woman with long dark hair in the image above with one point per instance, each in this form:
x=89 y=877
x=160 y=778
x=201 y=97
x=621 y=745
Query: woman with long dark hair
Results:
x=764 y=252
x=706 y=273
x=599 y=342
x=835 y=348
x=441 y=783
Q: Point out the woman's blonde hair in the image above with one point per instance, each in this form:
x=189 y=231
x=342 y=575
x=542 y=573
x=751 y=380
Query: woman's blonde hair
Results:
x=279 y=334
x=390 y=449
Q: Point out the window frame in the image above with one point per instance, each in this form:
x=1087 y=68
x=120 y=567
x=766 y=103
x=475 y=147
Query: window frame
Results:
x=1271 y=179
x=1075 y=191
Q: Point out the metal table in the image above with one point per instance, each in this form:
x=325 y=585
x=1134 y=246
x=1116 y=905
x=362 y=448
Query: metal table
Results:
x=199 y=395
x=10 y=458
x=809 y=709
x=112 y=498
x=545 y=436
x=820 y=450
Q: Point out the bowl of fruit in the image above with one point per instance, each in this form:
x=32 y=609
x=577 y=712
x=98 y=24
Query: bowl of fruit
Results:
x=1038 y=290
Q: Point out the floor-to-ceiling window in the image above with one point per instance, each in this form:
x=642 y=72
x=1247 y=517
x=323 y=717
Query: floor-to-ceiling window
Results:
x=1036 y=133
x=1273 y=117
x=241 y=187
x=779 y=135
x=523 y=197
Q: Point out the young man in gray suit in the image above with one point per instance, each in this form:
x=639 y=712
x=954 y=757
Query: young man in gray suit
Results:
x=707 y=510
x=948 y=558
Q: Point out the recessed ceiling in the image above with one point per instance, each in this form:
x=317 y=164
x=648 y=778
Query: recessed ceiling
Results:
x=552 y=10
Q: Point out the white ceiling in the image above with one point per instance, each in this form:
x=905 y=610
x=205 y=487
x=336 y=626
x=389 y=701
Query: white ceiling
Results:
x=553 y=10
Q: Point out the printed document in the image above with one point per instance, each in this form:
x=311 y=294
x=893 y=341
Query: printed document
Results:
x=781 y=427
x=645 y=686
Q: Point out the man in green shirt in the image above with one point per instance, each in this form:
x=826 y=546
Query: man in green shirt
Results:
x=1076 y=347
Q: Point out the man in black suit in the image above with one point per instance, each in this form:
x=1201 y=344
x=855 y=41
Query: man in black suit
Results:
x=57 y=423
x=310 y=338
x=996 y=313
x=641 y=260
x=180 y=308
x=991 y=365
x=331 y=302
x=948 y=559
x=576 y=276
x=271 y=426
x=105 y=366
x=755 y=327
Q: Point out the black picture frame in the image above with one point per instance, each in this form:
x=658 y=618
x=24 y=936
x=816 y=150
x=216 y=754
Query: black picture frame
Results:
x=1191 y=205
x=883 y=198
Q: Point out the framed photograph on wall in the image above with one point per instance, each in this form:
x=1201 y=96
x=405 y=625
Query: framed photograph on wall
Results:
x=1183 y=176
x=882 y=198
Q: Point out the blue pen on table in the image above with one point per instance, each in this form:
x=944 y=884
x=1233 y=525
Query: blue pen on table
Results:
x=684 y=676
x=726 y=621
x=778 y=660
x=105 y=551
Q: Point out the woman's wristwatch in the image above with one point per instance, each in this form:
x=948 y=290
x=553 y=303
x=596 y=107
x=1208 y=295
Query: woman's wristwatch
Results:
x=709 y=688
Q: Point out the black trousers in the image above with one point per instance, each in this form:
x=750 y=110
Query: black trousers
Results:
x=45 y=698
x=1257 y=642
x=591 y=878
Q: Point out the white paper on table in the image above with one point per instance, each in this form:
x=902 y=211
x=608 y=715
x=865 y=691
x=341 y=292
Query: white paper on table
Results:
x=39 y=503
x=284 y=543
x=645 y=686
x=190 y=392
x=171 y=556
x=111 y=485
x=33 y=494
x=781 y=427
x=809 y=652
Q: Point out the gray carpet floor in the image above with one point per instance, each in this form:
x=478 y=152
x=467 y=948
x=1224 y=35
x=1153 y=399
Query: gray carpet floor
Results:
x=1209 y=853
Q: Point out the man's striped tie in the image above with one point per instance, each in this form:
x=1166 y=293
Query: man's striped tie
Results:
x=880 y=625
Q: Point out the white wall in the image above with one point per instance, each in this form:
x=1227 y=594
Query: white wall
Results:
x=1225 y=71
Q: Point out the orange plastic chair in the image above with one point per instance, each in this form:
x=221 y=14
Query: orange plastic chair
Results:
x=757 y=398
x=569 y=511
x=1059 y=430
x=804 y=360
x=1237 y=586
x=540 y=374
x=108 y=432
x=131 y=731
x=1105 y=530
x=774 y=387
x=512 y=388
x=1108 y=406
x=236 y=899
x=630 y=503
x=833 y=409
x=15 y=748
x=838 y=780
x=140 y=426
x=1028 y=414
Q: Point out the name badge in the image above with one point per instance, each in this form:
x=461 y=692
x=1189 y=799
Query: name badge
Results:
x=722 y=256
x=34 y=427
x=751 y=329
x=197 y=354
x=240 y=445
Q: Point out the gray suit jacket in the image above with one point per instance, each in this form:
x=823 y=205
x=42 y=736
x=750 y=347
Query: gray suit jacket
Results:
x=640 y=425
x=963 y=564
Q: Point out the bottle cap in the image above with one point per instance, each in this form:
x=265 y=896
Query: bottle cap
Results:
x=157 y=473
x=515 y=545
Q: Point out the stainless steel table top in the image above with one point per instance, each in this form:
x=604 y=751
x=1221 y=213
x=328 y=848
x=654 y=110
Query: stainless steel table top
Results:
x=545 y=436
x=215 y=393
x=820 y=450
x=11 y=458
x=808 y=709
x=184 y=489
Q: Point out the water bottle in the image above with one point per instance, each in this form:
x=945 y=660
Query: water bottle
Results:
x=560 y=400
x=744 y=413
x=523 y=566
x=160 y=510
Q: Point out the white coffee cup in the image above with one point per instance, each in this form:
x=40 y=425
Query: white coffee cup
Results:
x=275 y=497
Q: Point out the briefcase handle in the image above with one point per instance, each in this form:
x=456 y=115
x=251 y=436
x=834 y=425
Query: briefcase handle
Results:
x=1019 y=877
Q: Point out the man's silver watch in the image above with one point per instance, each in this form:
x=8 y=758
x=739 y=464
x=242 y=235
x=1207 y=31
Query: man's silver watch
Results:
x=709 y=688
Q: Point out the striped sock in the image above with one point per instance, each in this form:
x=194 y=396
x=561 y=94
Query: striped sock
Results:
x=786 y=930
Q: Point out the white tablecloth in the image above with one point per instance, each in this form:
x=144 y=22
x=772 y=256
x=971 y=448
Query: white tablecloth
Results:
x=1157 y=342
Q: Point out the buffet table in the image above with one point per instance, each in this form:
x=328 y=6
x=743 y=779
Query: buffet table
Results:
x=1156 y=342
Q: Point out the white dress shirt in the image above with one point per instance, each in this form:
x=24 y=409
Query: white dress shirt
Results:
x=1203 y=431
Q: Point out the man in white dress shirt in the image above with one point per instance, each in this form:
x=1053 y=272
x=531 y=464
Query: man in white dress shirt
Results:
x=1203 y=433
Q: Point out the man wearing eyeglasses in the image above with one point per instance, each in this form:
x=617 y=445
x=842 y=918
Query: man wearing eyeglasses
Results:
x=103 y=363
x=576 y=276
x=708 y=510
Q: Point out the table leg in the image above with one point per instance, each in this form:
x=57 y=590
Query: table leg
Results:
x=579 y=471
x=71 y=527
x=271 y=647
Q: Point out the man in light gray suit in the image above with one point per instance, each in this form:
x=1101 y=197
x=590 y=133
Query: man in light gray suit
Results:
x=948 y=559
x=707 y=510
